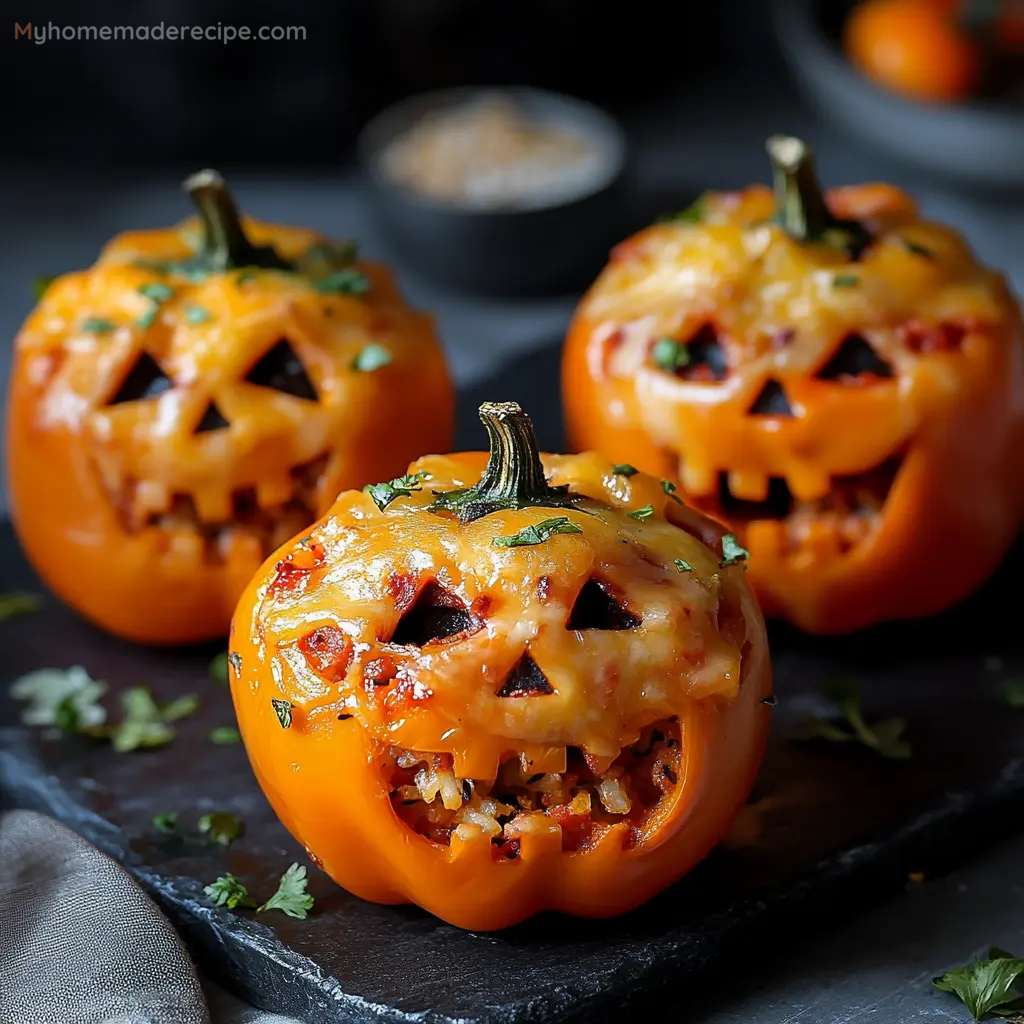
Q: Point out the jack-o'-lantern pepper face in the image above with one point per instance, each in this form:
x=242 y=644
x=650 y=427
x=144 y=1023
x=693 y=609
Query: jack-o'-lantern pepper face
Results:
x=838 y=380
x=492 y=695
x=196 y=398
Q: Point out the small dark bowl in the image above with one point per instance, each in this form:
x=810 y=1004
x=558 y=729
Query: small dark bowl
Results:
x=980 y=143
x=511 y=251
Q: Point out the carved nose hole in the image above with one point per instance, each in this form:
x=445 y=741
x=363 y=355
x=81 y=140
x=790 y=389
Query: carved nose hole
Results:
x=855 y=358
x=436 y=615
x=597 y=608
x=772 y=401
x=281 y=369
x=526 y=679
x=212 y=419
x=146 y=380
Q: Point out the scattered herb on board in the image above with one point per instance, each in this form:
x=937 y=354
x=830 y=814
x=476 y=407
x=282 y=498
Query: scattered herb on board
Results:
x=669 y=355
x=18 y=604
x=537 y=533
x=283 y=710
x=885 y=738
x=373 y=357
x=401 y=487
x=144 y=724
x=221 y=827
x=228 y=891
x=64 y=697
x=624 y=469
x=166 y=824
x=732 y=552
x=642 y=513
x=693 y=214
x=683 y=566
x=291 y=897
x=219 y=668
x=347 y=281
x=1013 y=692
x=987 y=986
x=224 y=735
x=845 y=281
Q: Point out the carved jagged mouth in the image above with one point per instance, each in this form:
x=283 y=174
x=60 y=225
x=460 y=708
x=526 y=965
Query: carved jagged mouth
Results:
x=249 y=522
x=584 y=801
x=850 y=511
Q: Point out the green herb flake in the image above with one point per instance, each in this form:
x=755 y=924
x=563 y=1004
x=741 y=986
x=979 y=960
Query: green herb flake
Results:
x=845 y=281
x=291 y=897
x=98 y=325
x=917 y=250
x=669 y=355
x=221 y=827
x=371 y=358
x=228 y=891
x=235 y=661
x=695 y=213
x=147 y=318
x=166 y=824
x=224 y=735
x=401 y=487
x=157 y=291
x=987 y=986
x=683 y=566
x=218 y=668
x=245 y=276
x=40 y=286
x=625 y=469
x=885 y=738
x=344 y=282
x=64 y=697
x=537 y=533
x=642 y=513
x=283 y=710
x=197 y=315
x=732 y=553
x=144 y=724
x=1013 y=692
x=18 y=604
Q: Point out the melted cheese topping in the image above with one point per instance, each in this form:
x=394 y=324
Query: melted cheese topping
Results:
x=362 y=567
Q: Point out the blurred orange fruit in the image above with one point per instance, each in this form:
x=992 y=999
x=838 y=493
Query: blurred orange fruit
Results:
x=914 y=48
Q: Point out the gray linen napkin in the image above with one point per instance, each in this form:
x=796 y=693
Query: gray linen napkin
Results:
x=81 y=943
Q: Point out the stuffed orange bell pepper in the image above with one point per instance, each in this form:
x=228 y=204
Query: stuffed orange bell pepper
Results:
x=197 y=397
x=497 y=686
x=836 y=379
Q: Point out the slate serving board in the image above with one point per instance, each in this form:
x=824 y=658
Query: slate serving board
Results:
x=829 y=830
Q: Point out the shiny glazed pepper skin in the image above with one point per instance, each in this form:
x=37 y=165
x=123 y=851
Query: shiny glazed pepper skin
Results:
x=695 y=656
x=148 y=511
x=941 y=405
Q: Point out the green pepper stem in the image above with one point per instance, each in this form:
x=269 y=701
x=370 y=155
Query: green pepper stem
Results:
x=225 y=245
x=799 y=202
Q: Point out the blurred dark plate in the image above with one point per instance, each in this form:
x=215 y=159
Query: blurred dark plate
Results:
x=979 y=143
x=501 y=252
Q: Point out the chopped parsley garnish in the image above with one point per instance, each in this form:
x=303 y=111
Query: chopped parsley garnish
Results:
x=401 y=487
x=224 y=735
x=373 y=357
x=1013 y=692
x=348 y=281
x=166 y=824
x=219 y=668
x=642 y=513
x=197 y=315
x=885 y=738
x=40 y=286
x=157 y=291
x=98 y=325
x=144 y=723
x=845 y=281
x=65 y=697
x=221 y=827
x=732 y=553
x=147 y=318
x=537 y=533
x=283 y=710
x=228 y=891
x=18 y=604
x=291 y=897
x=917 y=250
x=683 y=566
x=625 y=469
x=669 y=355
x=693 y=214
x=987 y=986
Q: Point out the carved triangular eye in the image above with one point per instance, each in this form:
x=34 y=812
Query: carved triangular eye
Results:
x=146 y=380
x=436 y=615
x=772 y=401
x=525 y=680
x=596 y=608
x=855 y=358
x=212 y=419
x=707 y=357
x=282 y=370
